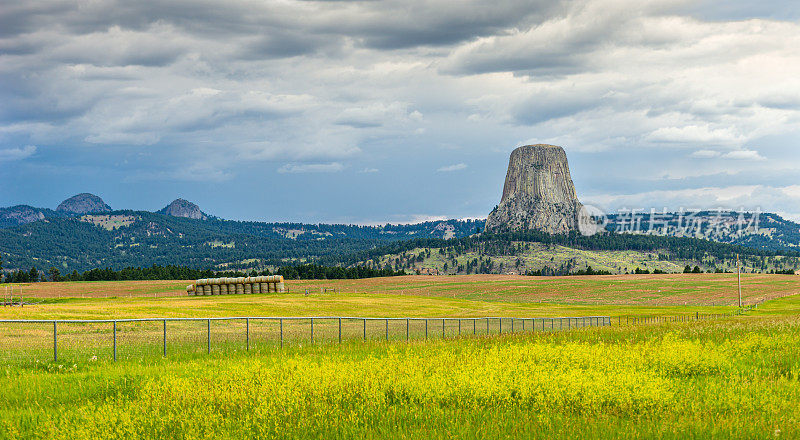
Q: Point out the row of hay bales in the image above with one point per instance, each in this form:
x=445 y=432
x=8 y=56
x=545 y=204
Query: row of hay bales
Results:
x=241 y=285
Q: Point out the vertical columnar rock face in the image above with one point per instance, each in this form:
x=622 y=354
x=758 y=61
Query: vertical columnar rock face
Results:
x=538 y=193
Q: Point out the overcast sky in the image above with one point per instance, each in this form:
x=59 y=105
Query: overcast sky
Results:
x=390 y=111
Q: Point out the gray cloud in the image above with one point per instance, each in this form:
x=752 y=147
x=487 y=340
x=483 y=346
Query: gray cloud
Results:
x=632 y=88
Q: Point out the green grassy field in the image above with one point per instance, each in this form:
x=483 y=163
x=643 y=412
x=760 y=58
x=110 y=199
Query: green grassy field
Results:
x=734 y=377
x=414 y=296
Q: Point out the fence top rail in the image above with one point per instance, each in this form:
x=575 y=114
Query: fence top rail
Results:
x=288 y=318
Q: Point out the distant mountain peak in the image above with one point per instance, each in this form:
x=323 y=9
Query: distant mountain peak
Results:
x=20 y=215
x=183 y=208
x=83 y=203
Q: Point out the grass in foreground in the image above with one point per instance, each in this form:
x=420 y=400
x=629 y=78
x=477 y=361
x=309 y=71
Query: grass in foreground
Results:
x=735 y=378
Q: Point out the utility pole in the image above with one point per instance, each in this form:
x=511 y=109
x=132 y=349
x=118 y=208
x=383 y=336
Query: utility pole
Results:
x=739 y=276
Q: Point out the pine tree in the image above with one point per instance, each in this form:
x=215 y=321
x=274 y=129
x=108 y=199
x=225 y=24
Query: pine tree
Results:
x=33 y=275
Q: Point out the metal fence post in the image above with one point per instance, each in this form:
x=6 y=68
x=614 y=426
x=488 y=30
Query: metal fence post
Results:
x=407 y=327
x=165 y=339
x=487 y=326
x=426 y=329
x=442 y=328
x=208 y=334
x=459 y=326
x=474 y=327
x=55 y=341
x=115 y=341
x=312 y=330
x=387 y=329
x=501 y=326
x=247 y=330
x=281 y=322
x=512 y=325
x=365 y=329
x=340 y=330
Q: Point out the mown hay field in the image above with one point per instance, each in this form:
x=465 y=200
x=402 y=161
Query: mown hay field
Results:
x=736 y=377
x=412 y=296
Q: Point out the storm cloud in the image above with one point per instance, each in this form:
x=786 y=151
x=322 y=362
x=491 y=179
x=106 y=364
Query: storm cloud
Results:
x=232 y=104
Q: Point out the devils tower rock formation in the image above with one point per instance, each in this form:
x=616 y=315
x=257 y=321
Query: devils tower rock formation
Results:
x=538 y=193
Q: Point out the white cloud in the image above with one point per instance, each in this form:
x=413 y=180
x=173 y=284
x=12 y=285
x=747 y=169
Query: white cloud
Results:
x=705 y=154
x=377 y=115
x=696 y=134
x=792 y=191
x=332 y=167
x=13 y=154
x=744 y=155
x=454 y=167
x=369 y=170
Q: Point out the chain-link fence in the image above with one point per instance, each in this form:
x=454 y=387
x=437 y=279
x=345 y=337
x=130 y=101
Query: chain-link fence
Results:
x=23 y=341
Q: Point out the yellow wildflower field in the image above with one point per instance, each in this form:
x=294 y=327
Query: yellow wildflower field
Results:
x=730 y=378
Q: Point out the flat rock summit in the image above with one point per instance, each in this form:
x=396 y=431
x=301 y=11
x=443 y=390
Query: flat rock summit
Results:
x=538 y=193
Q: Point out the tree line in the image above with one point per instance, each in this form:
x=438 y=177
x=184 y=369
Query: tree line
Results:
x=172 y=272
x=505 y=243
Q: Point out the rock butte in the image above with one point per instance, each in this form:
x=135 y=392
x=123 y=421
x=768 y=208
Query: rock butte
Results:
x=183 y=208
x=538 y=193
x=83 y=203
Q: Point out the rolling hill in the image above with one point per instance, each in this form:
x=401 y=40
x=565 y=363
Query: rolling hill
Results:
x=88 y=235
